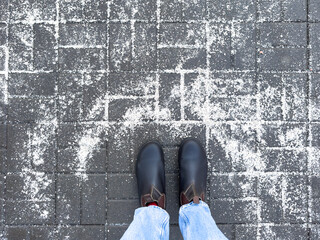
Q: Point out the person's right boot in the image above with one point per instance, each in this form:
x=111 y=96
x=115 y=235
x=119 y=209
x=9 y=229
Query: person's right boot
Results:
x=193 y=172
x=151 y=175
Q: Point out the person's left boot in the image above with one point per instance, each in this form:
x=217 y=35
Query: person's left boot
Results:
x=193 y=172
x=151 y=175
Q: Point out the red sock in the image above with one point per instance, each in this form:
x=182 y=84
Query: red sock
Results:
x=152 y=204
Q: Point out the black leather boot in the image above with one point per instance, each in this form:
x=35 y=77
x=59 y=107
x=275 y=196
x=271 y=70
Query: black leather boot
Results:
x=193 y=171
x=151 y=175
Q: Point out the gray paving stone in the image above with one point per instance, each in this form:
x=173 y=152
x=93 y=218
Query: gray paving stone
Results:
x=93 y=10
x=116 y=232
x=271 y=93
x=3 y=111
x=182 y=34
x=31 y=84
x=315 y=186
x=296 y=197
x=2 y=194
x=70 y=107
x=234 y=108
x=171 y=10
x=82 y=58
x=31 y=109
x=70 y=90
x=3 y=160
x=118 y=151
x=245 y=232
x=292 y=135
x=284 y=232
x=71 y=10
x=220 y=47
x=67 y=134
x=120 y=10
x=218 y=158
x=20 y=47
x=270 y=195
x=315 y=134
x=122 y=186
x=4 y=6
x=222 y=108
x=233 y=186
x=283 y=160
x=17 y=151
x=172 y=58
x=315 y=106
x=17 y=233
x=269 y=10
x=132 y=84
x=44 y=53
x=92 y=34
x=234 y=211
x=194 y=84
x=170 y=96
x=69 y=82
x=175 y=232
x=283 y=34
x=122 y=109
x=315 y=232
x=314 y=8
x=283 y=59
x=120 y=46
x=68 y=199
x=231 y=10
x=93 y=198
x=145 y=42
x=68 y=160
x=172 y=197
x=313 y=161
x=94 y=92
x=139 y=10
x=194 y=10
x=233 y=84
x=17 y=187
x=315 y=85
x=27 y=212
x=3 y=135
x=42 y=233
x=314 y=42
x=121 y=211
x=173 y=135
x=227 y=230
x=171 y=159
x=142 y=134
x=243 y=46
x=3 y=82
x=3 y=34
x=288 y=191
x=2 y=59
x=244 y=137
x=315 y=212
x=81 y=232
x=295 y=97
x=295 y=10
x=39 y=9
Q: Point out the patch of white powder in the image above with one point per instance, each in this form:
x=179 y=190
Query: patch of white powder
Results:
x=88 y=142
x=35 y=184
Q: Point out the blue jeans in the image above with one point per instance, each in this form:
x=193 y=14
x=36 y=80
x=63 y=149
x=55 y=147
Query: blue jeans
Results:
x=152 y=223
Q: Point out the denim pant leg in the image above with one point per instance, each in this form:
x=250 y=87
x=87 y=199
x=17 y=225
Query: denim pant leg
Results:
x=196 y=222
x=149 y=223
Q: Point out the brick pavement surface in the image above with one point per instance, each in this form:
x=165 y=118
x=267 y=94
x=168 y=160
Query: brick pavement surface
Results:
x=84 y=83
